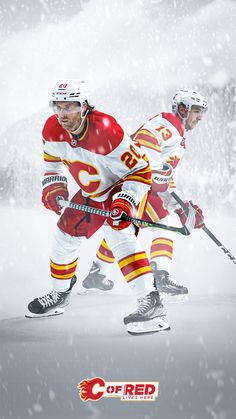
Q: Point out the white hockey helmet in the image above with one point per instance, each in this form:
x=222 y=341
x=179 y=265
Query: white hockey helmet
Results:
x=188 y=97
x=70 y=90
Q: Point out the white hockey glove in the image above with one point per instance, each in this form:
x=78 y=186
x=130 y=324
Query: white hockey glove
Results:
x=162 y=177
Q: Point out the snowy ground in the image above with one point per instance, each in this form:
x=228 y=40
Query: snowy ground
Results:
x=42 y=360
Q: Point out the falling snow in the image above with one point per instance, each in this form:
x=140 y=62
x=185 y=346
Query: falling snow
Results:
x=134 y=55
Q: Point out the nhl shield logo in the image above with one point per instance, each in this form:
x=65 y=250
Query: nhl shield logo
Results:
x=74 y=142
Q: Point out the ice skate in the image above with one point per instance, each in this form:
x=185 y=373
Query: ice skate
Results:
x=95 y=281
x=51 y=304
x=169 y=289
x=149 y=316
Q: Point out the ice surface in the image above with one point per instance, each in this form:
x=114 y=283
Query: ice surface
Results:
x=42 y=360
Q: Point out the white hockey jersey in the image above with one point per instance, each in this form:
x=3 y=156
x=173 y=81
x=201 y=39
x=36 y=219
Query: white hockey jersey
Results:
x=101 y=157
x=162 y=139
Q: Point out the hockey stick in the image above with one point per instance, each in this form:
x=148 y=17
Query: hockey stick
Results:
x=92 y=210
x=205 y=229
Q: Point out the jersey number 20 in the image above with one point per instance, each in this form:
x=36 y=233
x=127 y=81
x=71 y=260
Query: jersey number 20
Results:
x=130 y=158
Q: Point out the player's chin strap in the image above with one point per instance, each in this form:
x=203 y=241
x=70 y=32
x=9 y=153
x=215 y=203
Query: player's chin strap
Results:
x=83 y=117
x=205 y=229
x=92 y=210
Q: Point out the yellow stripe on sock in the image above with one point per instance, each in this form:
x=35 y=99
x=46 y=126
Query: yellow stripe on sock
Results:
x=63 y=267
x=104 y=244
x=131 y=259
x=161 y=253
x=137 y=272
x=106 y=258
x=66 y=276
x=163 y=241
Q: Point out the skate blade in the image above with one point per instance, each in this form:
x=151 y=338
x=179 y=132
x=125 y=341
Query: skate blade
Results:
x=91 y=291
x=174 y=298
x=56 y=312
x=151 y=326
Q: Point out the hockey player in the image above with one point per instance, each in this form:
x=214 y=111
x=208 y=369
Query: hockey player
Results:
x=162 y=140
x=112 y=174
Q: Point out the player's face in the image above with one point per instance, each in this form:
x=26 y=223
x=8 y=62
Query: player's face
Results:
x=195 y=115
x=68 y=114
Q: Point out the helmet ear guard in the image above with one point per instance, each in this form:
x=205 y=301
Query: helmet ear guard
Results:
x=184 y=112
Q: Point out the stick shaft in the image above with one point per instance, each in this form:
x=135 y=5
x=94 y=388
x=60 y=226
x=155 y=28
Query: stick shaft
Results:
x=104 y=213
x=206 y=230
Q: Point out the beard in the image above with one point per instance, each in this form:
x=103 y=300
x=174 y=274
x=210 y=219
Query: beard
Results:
x=67 y=124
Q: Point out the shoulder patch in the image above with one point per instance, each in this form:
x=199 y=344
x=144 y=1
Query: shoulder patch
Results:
x=175 y=121
x=52 y=130
x=104 y=134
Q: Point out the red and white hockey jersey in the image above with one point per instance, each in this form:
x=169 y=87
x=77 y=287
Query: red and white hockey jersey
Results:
x=102 y=156
x=162 y=139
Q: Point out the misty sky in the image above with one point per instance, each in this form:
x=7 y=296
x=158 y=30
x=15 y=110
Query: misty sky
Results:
x=120 y=46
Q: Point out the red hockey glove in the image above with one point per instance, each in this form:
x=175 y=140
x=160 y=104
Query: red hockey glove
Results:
x=162 y=177
x=122 y=207
x=53 y=187
x=199 y=218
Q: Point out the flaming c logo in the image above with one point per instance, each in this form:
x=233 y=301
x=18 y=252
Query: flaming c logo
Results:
x=95 y=388
x=86 y=389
